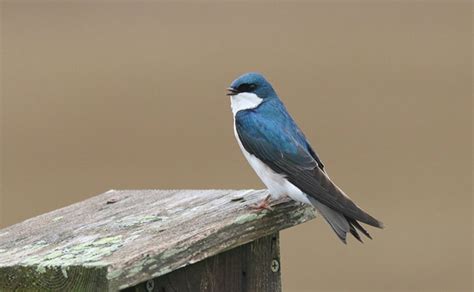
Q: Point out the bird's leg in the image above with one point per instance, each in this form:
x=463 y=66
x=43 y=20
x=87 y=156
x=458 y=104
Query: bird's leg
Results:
x=263 y=205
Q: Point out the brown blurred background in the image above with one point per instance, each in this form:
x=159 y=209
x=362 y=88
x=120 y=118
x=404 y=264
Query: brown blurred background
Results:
x=102 y=95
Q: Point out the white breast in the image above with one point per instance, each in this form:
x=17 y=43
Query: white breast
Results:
x=276 y=183
x=244 y=101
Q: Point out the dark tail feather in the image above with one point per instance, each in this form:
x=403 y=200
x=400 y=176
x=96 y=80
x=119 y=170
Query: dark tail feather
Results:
x=367 y=219
x=355 y=225
x=361 y=229
x=340 y=223
x=354 y=231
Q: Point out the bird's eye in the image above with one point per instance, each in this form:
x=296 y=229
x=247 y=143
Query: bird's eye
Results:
x=246 y=87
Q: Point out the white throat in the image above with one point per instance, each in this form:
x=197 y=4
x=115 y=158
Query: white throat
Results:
x=244 y=101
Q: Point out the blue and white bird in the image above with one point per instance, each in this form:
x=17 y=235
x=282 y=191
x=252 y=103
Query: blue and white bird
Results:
x=283 y=159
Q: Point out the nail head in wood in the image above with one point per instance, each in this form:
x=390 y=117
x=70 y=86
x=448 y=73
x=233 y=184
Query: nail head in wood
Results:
x=275 y=265
x=150 y=285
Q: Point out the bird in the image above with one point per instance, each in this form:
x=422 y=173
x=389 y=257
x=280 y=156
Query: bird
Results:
x=284 y=160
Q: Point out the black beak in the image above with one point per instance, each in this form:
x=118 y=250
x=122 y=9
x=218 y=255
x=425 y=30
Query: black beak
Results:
x=232 y=91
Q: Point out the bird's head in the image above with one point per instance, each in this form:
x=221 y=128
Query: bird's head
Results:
x=252 y=84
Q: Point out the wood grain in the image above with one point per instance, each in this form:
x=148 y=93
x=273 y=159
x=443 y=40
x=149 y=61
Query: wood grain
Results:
x=252 y=267
x=121 y=238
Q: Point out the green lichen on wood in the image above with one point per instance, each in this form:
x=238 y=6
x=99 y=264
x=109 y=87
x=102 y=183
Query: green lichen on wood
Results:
x=250 y=217
x=17 y=251
x=107 y=240
x=303 y=213
x=57 y=269
x=162 y=271
x=87 y=252
x=64 y=271
x=150 y=263
x=141 y=265
x=134 y=270
x=136 y=220
x=114 y=274
x=171 y=252
x=57 y=218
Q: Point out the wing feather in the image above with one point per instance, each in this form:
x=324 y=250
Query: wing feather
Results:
x=285 y=150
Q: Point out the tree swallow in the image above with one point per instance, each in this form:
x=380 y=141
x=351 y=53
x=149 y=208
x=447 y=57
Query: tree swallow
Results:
x=284 y=160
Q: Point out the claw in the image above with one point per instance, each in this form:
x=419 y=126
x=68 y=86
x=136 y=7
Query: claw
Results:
x=263 y=205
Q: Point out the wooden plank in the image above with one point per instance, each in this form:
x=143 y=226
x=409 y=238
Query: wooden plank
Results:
x=252 y=267
x=122 y=238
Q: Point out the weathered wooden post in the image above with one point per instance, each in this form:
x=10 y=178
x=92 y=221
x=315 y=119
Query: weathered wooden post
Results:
x=150 y=240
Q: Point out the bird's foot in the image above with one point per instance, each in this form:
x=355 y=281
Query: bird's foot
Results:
x=263 y=205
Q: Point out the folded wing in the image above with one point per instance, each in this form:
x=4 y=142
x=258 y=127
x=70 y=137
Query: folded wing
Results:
x=284 y=149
